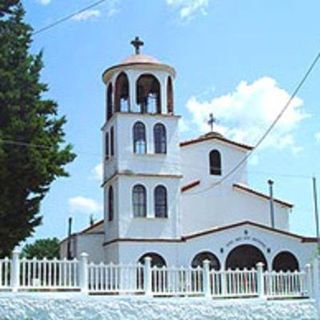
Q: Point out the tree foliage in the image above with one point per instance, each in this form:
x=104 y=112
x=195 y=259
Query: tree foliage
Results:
x=42 y=248
x=33 y=151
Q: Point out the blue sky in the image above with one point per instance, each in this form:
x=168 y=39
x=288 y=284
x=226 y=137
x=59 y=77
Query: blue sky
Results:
x=238 y=59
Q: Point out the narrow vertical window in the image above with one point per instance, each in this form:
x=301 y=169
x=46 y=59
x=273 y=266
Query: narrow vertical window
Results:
x=139 y=138
x=160 y=138
x=139 y=201
x=107 y=146
x=169 y=96
x=160 y=202
x=215 y=162
x=112 y=141
x=110 y=204
x=109 y=102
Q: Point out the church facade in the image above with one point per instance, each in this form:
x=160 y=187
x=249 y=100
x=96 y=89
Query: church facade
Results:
x=173 y=200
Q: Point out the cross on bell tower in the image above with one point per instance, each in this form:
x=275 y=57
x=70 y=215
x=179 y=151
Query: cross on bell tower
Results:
x=137 y=43
x=212 y=120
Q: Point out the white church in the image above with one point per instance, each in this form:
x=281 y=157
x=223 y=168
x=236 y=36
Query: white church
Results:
x=170 y=199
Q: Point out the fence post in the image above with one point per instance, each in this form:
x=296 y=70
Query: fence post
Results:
x=15 y=271
x=316 y=281
x=147 y=276
x=83 y=273
x=309 y=280
x=260 y=280
x=206 y=279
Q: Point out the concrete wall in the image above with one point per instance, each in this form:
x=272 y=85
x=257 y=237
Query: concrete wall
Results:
x=66 y=307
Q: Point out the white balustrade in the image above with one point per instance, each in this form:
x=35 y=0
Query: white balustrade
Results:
x=5 y=273
x=177 y=281
x=286 y=284
x=113 y=278
x=73 y=275
x=48 y=274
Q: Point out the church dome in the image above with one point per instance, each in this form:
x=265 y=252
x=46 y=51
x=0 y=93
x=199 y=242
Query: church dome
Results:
x=140 y=58
x=138 y=61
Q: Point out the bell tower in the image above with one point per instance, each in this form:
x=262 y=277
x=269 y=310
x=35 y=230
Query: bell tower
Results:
x=141 y=153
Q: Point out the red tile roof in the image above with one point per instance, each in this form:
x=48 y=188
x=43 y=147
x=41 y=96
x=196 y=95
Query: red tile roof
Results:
x=214 y=136
x=261 y=195
x=190 y=185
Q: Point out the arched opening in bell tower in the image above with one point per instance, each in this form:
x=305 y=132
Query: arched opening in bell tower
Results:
x=109 y=101
x=148 y=94
x=169 y=96
x=122 y=93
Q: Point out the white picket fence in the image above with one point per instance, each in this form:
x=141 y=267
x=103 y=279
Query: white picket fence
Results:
x=79 y=275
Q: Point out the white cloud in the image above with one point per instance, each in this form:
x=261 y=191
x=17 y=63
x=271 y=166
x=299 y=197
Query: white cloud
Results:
x=189 y=8
x=44 y=2
x=85 y=205
x=317 y=136
x=97 y=172
x=86 y=15
x=245 y=113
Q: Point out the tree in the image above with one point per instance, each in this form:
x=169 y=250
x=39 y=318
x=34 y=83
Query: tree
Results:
x=42 y=248
x=33 y=151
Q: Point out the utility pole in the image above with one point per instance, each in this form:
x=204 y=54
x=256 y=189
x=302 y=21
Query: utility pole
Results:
x=69 y=256
x=316 y=212
x=270 y=182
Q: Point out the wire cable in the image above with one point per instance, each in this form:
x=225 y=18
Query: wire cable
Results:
x=68 y=17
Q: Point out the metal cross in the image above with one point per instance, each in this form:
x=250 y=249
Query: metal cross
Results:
x=212 y=121
x=137 y=43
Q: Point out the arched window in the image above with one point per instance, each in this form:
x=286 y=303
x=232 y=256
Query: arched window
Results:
x=169 y=96
x=203 y=256
x=109 y=101
x=160 y=138
x=245 y=256
x=215 y=162
x=112 y=141
x=139 y=138
x=160 y=202
x=110 y=204
x=285 y=261
x=148 y=94
x=107 y=146
x=122 y=93
x=156 y=259
x=139 y=201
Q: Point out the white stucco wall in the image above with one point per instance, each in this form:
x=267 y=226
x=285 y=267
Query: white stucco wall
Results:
x=77 y=307
x=91 y=243
x=220 y=243
x=195 y=165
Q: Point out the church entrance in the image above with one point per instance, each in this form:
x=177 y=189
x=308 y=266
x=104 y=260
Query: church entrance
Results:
x=245 y=256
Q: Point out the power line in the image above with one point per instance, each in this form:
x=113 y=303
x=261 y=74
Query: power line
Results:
x=196 y=168
x=68 y=17
x=263 y=137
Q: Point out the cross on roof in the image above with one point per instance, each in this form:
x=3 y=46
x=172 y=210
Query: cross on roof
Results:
x=137 y=43
x=212 y=120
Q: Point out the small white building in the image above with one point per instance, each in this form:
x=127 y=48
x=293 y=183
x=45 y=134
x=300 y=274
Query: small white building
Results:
x=164 y=198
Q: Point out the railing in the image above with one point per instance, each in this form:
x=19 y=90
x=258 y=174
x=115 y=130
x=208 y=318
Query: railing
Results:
x=115 y=278
x=234 y=283
x=5 y=273
x=79 y=275
x=48 y=274
x=285 y=284
x=177 y=281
